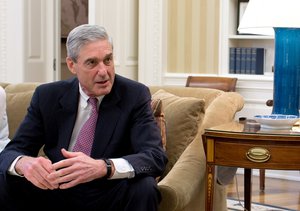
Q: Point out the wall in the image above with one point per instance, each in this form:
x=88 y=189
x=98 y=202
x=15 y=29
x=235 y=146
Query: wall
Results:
x=11 y=40
x=170 y=49
x=192 y=36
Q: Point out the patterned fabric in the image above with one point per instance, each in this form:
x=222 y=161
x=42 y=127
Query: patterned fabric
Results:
x=156 y=105
x=86 y=134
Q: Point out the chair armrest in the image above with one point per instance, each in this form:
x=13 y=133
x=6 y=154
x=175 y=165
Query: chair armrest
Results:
x=184 y=179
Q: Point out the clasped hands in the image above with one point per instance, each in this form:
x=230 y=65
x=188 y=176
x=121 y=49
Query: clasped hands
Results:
x=77 y=168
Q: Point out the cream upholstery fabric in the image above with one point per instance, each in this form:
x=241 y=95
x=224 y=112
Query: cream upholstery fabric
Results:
x=183 y=188
x=17 y=104
x=183 y=116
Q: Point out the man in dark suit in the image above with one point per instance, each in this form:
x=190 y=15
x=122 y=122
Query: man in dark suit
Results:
x=118 y=172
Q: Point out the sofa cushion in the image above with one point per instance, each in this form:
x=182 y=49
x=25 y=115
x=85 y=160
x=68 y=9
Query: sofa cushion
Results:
x=183 y=117
x=208 y=95
x=21 y=87
x=17 y=104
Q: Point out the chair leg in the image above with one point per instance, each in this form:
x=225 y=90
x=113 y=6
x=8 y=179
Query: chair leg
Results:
x=262 y=179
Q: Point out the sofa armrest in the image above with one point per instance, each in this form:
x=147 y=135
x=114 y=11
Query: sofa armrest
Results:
x=222 y=109
x=183 y=181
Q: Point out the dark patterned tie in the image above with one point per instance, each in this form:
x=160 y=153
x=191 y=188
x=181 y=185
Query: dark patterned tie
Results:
x=86 y=134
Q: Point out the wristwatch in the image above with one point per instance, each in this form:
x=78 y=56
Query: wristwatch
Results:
x=108 y=168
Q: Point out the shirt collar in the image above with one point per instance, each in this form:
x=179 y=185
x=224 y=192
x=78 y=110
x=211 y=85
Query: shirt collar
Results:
x=84 y=98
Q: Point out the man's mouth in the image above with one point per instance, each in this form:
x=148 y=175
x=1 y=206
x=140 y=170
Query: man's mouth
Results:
x=101 y=82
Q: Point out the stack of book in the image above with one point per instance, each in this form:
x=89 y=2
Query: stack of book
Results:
x=246 y=60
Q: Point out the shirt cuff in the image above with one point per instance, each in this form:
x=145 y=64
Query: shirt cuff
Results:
x=12 y=170
x=123 y=169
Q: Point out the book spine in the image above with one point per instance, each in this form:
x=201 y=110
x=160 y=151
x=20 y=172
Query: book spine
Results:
x=257 y=61
x=238 y=60
x=260 y=58
x=232 y=60
x=248 y=60
x=243 y=61
x=253 y=61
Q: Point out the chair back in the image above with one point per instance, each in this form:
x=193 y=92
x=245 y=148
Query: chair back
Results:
x=226 y=84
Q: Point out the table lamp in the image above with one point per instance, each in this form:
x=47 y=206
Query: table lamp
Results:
x=280 y=18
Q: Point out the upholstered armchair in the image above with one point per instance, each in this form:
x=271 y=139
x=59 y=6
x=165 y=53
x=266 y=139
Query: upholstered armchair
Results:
x=188 y=111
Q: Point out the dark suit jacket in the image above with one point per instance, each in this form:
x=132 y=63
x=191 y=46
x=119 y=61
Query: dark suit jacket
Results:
x=125 y=127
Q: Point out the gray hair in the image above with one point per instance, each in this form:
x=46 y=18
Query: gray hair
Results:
x=83 y=35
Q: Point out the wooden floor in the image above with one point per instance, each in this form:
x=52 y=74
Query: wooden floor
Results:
x=277 y=192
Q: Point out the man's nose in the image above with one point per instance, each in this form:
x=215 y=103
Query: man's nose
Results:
x=101 y=69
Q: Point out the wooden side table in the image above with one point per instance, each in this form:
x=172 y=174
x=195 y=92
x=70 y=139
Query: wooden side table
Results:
x=232 y=145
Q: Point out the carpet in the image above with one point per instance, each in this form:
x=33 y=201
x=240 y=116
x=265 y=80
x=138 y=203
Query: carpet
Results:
x=235 y=205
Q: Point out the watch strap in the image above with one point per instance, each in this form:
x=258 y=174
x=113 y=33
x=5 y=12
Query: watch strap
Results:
x=108 y=168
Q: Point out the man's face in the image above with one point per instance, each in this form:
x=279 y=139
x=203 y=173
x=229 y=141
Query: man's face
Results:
x=94 y=68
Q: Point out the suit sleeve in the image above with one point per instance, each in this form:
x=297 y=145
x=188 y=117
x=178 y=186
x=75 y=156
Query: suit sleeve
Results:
x=149 y=158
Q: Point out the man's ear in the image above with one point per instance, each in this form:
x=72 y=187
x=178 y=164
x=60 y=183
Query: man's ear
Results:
x=70 y=64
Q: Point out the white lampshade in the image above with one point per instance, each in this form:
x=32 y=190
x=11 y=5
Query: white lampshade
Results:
x=261 y=16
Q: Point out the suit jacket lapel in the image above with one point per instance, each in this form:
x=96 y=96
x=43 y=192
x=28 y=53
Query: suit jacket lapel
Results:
x=66 y=115
x=109 y=113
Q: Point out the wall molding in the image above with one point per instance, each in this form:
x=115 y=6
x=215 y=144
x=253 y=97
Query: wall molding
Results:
x=150 y=43
x=3 y=40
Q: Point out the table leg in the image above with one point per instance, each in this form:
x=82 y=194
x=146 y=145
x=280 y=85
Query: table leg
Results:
x=210 y=175
x=247 y=188
x=262 y=179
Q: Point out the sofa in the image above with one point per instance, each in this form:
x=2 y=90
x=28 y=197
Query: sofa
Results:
x=187 y=112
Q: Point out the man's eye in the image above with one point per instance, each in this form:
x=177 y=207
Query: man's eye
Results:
x=91 y=63
x=107 y=61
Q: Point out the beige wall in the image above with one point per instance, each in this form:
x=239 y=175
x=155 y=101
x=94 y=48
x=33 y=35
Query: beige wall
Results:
x=192 y=36
x=191 y=45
